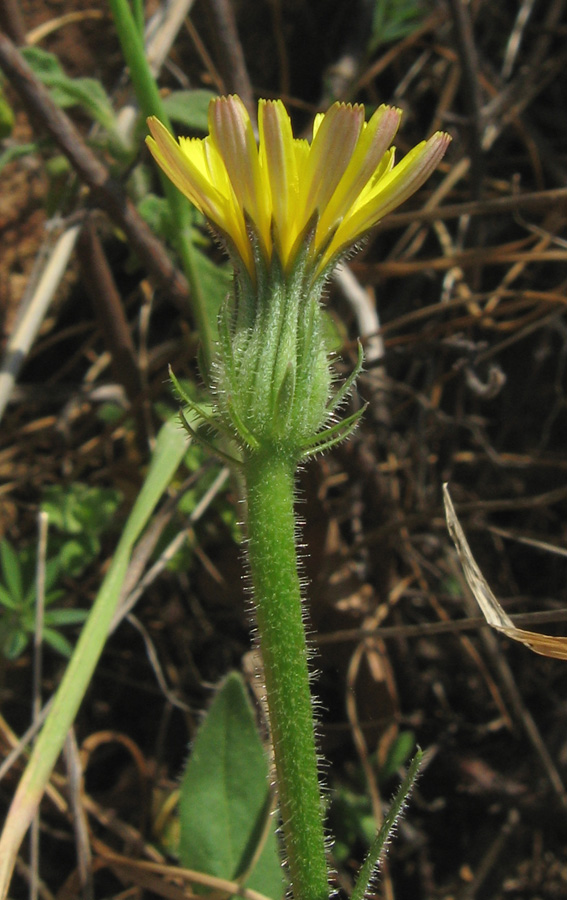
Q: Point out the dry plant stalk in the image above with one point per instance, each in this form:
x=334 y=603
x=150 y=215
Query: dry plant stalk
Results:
x=544 y=644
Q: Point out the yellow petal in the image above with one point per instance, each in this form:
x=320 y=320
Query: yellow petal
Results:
x=234 y=224
x=404 y=179
x=330 y=153
x=371 y=147
x=181 y=169
x=391 y=190
x=278 y=161
x=317 y=122
x=346 y=176
x=232 y=134
x=195 y=169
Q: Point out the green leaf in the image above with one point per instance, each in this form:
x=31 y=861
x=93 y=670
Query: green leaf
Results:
x=7 y=117
x=65 y=91
x=75 y=554
x=224 y=801
x=6 y=599
x=15 y=151
x=216 y=281
x=57 y=642
x=190 y=108
x=11 y=570
x=398 y=754
x=13 y=642
x=53 y=596
x=52 y=572
x=394 y=20
x=369 y=868
x=79 y=508
x=60 y=617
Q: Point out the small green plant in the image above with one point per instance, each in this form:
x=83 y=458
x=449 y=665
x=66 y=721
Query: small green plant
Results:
x=351 y=816
x=79 y=515
x=18 y=600
x=287 y=212
x=394 y=20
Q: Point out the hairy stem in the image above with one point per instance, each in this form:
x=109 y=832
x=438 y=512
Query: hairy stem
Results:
x=269 y=478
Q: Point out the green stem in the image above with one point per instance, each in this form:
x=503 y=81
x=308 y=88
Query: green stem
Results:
x=148 y=96
x=138 y=14
x=269 y=479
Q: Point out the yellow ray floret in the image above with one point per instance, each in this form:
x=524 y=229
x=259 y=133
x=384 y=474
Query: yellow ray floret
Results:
x=345 y=179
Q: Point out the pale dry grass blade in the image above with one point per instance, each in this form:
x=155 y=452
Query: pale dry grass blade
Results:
x=544 y=644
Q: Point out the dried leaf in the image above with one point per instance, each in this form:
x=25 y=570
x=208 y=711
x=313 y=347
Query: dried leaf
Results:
x=544 y=644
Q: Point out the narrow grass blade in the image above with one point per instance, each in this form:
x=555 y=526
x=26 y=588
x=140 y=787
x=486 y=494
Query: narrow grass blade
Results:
x=170 y=446
x=371 y=864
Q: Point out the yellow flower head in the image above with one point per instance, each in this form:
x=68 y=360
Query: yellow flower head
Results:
x=341 y=184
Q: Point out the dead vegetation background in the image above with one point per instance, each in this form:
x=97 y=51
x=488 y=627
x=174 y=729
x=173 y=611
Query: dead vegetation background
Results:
x=461 y=303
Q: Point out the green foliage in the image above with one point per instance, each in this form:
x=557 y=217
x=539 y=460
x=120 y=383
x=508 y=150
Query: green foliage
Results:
x=224 y=805
x=214 y=278
x=156 y=213
x=352 y=822
x=16 y=151
x=65 y=91
x=394 y=20
x=81 y=514
x=189 y=108
x=216 y=281
x=351 y=814
x=7 y=117
x=398 y=755
x=370 y=867
x=18 y=596
x=168 y=452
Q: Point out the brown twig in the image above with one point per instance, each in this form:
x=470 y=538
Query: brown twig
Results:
x=235 y=73
x=76 y=789
x=469 y=65
x=205 y=57
x=429 y=629
x=12 y=21
x=100 y=286
x=522 y=714
x=529 y=202
x=401 y=268
x=105 y=192
x=431 y=23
